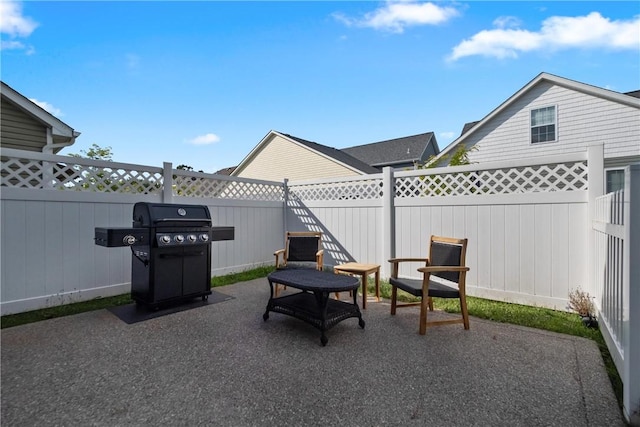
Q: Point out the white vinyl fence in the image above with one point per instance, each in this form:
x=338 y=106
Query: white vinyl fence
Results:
x=51 y=205
x=616 y=282
x=526 y=223
x=536 y=230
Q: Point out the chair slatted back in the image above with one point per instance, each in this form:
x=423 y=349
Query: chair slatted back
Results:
x=302 y=248
x=445 y=253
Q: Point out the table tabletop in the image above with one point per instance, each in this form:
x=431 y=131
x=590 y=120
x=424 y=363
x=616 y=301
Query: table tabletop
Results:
x=314 y=280
x=357 y=267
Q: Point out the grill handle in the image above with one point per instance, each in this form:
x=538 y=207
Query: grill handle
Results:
x=183 y=220
x=183 y=254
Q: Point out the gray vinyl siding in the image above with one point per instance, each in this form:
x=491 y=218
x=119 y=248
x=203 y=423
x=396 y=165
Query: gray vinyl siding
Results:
x=19 y=130
x=582 y=120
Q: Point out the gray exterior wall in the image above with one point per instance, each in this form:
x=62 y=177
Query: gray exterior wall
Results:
x=19 y=130
x=582 y=120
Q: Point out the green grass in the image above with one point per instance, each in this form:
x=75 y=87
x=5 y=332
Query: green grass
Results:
x=533 y=317
x=100 y=303
x=243 y=276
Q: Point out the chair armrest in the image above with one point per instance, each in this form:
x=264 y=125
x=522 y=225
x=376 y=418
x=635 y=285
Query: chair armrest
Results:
x=277 y=255
x=395 y=260
x=437 y=268
x=320 y=259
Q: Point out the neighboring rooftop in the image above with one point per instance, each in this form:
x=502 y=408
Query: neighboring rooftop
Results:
x=339 y=155
x=634 y=93
x=397 y=152
x=468 y=126
x=226 y=171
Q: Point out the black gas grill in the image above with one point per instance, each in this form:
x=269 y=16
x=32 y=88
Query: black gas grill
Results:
x=170 y=251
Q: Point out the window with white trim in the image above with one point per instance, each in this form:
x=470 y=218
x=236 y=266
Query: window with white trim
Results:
x=614 y=180
x=543 y=125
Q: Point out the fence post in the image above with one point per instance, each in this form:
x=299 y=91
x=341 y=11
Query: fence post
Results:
x=631 y=295
x=388 y=220
x=595 y=163
x=285 y=210
x=167 y=179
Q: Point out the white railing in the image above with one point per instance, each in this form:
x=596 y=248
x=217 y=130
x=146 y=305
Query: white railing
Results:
x=616 y=282
x=609 y=266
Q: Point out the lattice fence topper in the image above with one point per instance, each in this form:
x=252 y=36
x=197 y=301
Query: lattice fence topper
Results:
x=70 y=176
x=347 y=190
x=530 y=179
x=225 y=189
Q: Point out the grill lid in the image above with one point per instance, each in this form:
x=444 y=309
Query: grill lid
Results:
x=170 y=215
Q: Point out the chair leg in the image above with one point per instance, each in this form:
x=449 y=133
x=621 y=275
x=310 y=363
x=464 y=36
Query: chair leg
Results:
x=430 y=304
x=394 y=297
x=465 y=313
x=424 y=304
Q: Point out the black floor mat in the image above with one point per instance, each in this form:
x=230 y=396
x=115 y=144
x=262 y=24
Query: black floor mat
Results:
x=134 y=313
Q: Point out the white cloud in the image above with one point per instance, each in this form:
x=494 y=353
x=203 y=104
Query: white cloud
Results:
x=206 y=139
x=557 y=33
x=507 y=22
x=47 y=107
x=395 y=16
x=14 y=25
x=12 y=22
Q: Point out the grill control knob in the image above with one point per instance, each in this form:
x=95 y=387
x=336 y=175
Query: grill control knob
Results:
x=128 y=239
x=165 y=239
x=179 y=238
x=204 y=237
x=192 y=238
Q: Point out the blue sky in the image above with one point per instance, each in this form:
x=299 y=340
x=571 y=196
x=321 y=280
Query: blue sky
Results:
x=201 y=83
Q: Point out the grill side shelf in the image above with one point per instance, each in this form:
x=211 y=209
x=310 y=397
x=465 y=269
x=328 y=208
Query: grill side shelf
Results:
x=119 y=237
x=222 y=233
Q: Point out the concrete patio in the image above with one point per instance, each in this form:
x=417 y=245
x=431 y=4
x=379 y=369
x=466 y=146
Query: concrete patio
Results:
x=222 y=365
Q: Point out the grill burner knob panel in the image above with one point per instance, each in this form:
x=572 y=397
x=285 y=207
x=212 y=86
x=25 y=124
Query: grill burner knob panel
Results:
x=168 y=239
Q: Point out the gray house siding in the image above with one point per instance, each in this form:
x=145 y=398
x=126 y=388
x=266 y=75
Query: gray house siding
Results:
x=19 y=130
x=582 y=119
